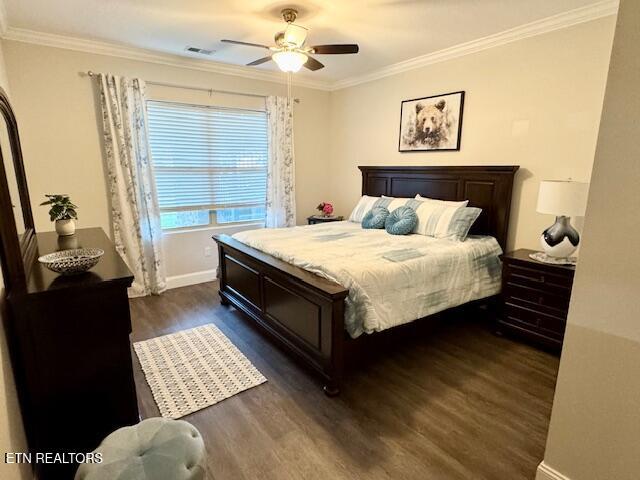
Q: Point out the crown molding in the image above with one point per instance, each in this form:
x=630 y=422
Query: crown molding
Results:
x=597 y=10
x=143 y=55
x=539 y=27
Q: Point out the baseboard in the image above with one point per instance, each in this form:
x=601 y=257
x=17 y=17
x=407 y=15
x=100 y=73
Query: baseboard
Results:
x=191 y=278
x=545 y=472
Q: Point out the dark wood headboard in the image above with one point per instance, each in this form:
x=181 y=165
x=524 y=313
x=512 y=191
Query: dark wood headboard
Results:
x=488 y=188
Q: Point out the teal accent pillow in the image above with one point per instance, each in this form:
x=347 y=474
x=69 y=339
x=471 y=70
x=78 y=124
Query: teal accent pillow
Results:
x=375 y=218
x=401 y=221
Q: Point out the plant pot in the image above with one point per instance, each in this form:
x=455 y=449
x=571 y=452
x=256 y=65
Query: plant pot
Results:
x=68 y=242
x=65 y=227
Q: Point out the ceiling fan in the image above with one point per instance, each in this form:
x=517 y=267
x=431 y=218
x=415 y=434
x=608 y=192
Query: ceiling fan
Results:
x=290 y=52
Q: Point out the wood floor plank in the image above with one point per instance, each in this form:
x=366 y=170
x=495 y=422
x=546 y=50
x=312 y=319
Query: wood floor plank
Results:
x=456 y=402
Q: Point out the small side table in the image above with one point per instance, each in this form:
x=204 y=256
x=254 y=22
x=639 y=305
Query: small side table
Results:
x=535 y=297
x=313 y=219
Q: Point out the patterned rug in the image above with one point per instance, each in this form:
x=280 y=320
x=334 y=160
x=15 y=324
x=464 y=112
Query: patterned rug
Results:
x=193 y=369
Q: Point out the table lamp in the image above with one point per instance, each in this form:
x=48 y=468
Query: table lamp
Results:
x=564 y=199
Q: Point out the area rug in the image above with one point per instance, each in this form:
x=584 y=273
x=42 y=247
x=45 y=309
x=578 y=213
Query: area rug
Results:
x=193 y=369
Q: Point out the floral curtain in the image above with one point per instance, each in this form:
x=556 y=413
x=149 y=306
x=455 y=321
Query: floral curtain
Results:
x=281 y=201
x=134 y=205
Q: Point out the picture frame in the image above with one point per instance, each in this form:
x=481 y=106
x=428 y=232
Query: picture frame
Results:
x=431 y=124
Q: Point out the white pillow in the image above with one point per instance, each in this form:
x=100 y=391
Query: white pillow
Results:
x=439 y=220
x=391 y=203
x=463 y=203
x=366 y=203
x=394 y=203
x=363 y=206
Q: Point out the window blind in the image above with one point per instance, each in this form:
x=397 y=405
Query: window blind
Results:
x=207 y=157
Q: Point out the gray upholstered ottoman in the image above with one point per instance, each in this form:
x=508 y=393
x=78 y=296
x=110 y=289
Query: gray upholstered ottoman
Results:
x=154 y=449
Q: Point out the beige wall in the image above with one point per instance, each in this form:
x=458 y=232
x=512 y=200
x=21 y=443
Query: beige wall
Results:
x=58 y=117
x=595 y=424
x=534 y=103
x=12 y=438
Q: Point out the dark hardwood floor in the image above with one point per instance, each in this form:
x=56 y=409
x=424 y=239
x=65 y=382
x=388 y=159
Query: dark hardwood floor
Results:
x=455 y=402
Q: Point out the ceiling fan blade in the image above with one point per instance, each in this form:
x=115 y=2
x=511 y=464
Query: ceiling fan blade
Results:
x=260 y=61
x=336 y=49
x=313 y=64
x=235 y=42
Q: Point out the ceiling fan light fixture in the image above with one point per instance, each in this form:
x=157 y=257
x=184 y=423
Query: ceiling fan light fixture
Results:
x=289 y=51
x=289 y=61
x=294 y=35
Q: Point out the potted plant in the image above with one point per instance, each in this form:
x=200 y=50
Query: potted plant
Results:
x=325 y=208
x=63 y=212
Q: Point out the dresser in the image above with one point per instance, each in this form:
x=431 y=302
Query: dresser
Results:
x=535 y=298
x=71 y=351
x=68 y=336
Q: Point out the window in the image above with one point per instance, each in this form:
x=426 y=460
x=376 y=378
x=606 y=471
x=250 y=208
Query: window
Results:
x=210 y=163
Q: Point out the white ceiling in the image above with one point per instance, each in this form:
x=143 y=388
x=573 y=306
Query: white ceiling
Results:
x=388 y=31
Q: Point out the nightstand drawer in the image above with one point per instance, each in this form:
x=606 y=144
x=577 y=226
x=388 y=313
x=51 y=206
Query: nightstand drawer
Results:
x=533 y=278
x=533 y=297
x=549 y=325
x=313 y=220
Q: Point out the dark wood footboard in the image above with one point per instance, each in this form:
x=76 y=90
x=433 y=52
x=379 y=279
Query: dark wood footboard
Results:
x=302 y=311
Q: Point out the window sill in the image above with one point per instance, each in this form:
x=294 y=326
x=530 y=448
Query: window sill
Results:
x=212 y=228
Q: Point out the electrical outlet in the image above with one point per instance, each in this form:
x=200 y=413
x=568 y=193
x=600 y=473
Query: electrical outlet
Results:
x=208 y=251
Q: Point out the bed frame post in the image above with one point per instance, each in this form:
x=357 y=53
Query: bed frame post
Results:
x=220 y=275
x=332 y=386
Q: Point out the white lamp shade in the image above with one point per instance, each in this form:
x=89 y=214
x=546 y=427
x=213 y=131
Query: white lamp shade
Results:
x=289 y=61
x=558 y=197
x=295 y=35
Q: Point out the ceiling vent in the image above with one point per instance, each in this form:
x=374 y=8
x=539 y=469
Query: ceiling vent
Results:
x=199 y=51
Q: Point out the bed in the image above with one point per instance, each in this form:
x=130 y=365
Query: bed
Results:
x=292 y=283
x=391 y=279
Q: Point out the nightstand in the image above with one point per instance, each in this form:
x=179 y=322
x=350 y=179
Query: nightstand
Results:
x=535 y=298
x=313 y=219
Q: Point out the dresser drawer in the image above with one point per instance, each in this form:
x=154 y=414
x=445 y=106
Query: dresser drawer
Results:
x=548 y=325
x=533 y=297
x=529 y=277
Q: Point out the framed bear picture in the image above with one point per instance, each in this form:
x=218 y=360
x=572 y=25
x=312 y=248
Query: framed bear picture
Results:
x=431 y=123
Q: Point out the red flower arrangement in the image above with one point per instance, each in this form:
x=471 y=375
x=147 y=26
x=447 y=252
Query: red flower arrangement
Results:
x=325 y=208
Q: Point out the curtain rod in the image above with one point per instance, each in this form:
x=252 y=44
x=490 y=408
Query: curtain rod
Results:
x=201 y=89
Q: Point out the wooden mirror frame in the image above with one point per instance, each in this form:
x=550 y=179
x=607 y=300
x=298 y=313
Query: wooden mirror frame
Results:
x=16 y=251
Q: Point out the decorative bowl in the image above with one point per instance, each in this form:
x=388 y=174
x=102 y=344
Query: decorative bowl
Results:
x=70 y=262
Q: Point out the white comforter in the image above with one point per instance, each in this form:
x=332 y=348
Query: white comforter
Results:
x=392 y=279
